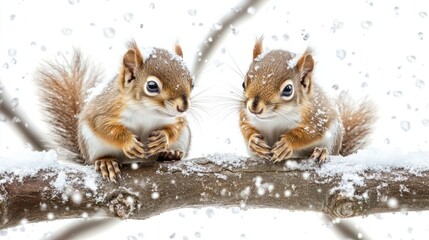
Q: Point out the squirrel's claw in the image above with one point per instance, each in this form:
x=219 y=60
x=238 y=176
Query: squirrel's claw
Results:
x=258 y=146
x=320 y=154
x=157 y=142
x=109 y=168
x=170 y=155
x=282 y=150
x=134 y=149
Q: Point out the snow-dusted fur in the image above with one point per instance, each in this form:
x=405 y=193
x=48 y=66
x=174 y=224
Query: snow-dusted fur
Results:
x=63 y=86
x=358 y=119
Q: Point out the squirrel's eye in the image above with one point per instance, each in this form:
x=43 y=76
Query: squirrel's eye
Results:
x=287 y=91
x=152 y=86
x=244 y=85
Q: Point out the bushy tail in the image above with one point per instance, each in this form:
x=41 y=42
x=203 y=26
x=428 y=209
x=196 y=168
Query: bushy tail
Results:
x=63 y=88
x=358 y=120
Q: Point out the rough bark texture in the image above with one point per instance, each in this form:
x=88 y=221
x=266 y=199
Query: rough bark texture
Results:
x=154 y=188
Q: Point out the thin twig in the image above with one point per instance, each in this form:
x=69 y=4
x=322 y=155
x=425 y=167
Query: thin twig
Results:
x=19 y=121
x=208 y=47
x=345 y=229
x=78 y=229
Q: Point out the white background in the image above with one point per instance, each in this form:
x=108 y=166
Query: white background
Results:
x=377 y=49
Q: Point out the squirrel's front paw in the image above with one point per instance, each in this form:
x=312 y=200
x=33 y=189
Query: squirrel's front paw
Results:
x=320 y=154
x=170 y=155
x=282 y=150
x=157 y=142
x=258 y=146
x=134 y=149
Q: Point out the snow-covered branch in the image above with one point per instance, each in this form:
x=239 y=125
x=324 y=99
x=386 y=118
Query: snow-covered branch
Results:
x=340 y=188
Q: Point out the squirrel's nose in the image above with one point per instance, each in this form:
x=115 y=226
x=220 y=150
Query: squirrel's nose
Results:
x=182 y=104
x=182 y=109
x=255 y=106
x=254 y=111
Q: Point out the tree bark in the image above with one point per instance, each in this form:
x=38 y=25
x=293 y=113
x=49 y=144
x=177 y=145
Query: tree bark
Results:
x=154 y=188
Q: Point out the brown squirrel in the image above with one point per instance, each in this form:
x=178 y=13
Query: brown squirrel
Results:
x=138 y=114
x=285 y=114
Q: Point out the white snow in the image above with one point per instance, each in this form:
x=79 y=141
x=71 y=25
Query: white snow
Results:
x=98 y=89
x=224 y=160
x=262 y=55
x=17 y=164
x=380 y=160
x=25 y=162
x=150 y=52
x=227 y=160
x=352 y=168
x=60 y=182
x=291 y=63
x=147 y=52
x=186 y=167
x=155 y=195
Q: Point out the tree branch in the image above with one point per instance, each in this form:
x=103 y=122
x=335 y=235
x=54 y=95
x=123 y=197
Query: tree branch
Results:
x=22 y=124
x=207 y=47
x=157 y=187
x=78 y=229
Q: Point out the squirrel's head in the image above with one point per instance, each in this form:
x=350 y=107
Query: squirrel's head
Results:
x=277 y=83
x=157 y=78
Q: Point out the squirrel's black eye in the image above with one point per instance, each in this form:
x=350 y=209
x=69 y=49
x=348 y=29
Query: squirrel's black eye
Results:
x=152 y=87
x=244 y=86
x=192 y=86
x=287 y=91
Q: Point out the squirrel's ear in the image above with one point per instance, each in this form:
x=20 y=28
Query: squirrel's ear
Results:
x=131 y=62
x=305 y=67
x=257 y=49
x=178 y=50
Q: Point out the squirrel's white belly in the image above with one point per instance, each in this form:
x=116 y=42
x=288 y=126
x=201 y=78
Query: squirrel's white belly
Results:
x=139 y=121
x=142 y=121
x=272 y=129
x=272 y=133
x=97 y=147
x=333 y=137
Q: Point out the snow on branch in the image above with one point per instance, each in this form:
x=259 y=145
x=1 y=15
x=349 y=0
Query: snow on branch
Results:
x=43 y=189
